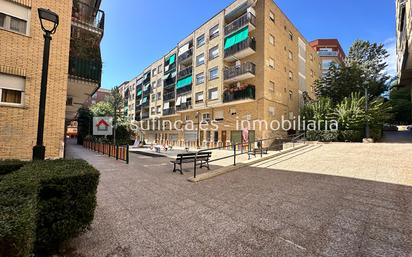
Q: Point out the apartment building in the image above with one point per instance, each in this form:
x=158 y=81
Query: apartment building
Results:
x=248 y=62
x=329 y=51
x=403 y=46
x=74 y=71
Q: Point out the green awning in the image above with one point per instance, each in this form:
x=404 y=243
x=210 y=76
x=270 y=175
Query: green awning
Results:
x=238 y=37
x=139 y=93
x=144 y=99
x=172 y=59
x=184 y=82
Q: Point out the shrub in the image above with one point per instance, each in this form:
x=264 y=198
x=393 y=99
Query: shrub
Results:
x=61 y=194
x=329 y=136
x=7 y=166
x=313 y=135
x=376 y=134
x=351 y=136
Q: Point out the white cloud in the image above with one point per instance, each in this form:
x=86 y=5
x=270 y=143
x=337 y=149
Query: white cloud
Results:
x=390 y=45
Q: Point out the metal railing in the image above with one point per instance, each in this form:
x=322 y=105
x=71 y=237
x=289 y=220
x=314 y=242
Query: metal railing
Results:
x=85 y=69
x=84 y=14
x=247 y=43
x=169 y=111
x=120 y=152
x=185 y=72
x=328 y=53
x=248 y=147
x=186 y=55
x=184 y=89
x=240 y=22
x=169 y=96
x=184 y=106
x=247 y=93
x=232 y=72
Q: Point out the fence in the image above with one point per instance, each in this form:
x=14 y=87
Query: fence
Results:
x=120 y=152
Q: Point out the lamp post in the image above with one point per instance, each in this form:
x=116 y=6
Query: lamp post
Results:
x=49 y=22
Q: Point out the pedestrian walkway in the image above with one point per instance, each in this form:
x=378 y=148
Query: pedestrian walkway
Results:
x=143 y=209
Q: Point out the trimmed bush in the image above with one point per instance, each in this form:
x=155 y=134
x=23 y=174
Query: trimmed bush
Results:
x=313 y=135
x=8 y=166
x=329 y=136
x=56 y=198
x=351 y=136
x=376 y=134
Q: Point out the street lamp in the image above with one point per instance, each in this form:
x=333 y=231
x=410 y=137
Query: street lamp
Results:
x=49 y=22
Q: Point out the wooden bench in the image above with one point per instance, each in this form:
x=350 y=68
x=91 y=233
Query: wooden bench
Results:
x=256 y=151
x=202 y=157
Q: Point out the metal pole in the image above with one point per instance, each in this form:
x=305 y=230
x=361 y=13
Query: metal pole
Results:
x=234 y=155
x=366 y=112
x=39 y=149
x=127 y=154
x=194 y=168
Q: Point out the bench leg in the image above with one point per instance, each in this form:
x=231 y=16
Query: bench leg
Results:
x=181 y=169
x=174 y=167
x=207 y=165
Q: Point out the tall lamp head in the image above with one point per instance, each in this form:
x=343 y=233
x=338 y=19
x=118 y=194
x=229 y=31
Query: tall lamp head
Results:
x=48 y=20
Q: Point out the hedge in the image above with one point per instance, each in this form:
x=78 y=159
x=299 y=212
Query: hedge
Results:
x=322 y=135
x=8 y=166
x=45 y=204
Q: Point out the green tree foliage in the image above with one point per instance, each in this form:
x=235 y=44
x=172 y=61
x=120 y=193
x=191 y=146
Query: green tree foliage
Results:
x=101 y=109
x=84 y=123
x=350 y=112
x=400 y=100
x=364 y=67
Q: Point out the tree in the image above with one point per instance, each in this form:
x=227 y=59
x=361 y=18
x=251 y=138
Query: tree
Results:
x=400 y=100
x=364 y=67
x=350 y=112
x=101 y=109
x=84 y=124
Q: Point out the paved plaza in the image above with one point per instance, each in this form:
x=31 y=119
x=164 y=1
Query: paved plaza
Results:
x=146 y=210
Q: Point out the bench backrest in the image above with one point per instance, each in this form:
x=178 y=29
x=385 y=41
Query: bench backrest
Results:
x=201 y=155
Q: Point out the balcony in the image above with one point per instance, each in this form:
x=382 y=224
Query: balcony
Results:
x=85 y=69
x=184 y=106
x=169 y=111
x=246 y=70
x=328 y=53
x=186 y=57
x=146 y=79
x=145 y=115
x=240 y=50
x=237 y=94
x=88 y=17
x=247 y=19
x=169 y=96
x=185 y=72
x=184 y=90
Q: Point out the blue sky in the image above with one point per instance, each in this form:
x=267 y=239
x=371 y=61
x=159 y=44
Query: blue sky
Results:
x=139 y=32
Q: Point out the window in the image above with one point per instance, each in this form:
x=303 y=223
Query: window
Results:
x=272 y=16
x=213 y=73
x=153 y=85
x=290 y=95
x=153 y=110
x=290 y=35
x=311 y=57
x=271 y=39
x=214 y=32
x=232 y=111
x=159 y=82
x=326 y=64
x=200 y=78
x=159 y=109
x=200 y=59
x=154 y=72
x=213 y=94
x=271 y=63
x=69 y=101
x=206 y=117
x=219 y=116
x=11 y=89
x=18 y=25
x=271 y=86
x=290 y=75
x=290 y=55
x=153 y=97
x=159 y=69
x=14 y=24
x=213 y=52
x=271 y=110
x=199 y=97
x=200 y=40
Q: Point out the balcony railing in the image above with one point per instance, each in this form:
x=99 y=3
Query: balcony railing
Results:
x=184 y=90
x=184 y=73
x=145 y=115
x=239 y=23
x=188 y=54
x=245 y=44
x=85 y=69
x=86 y=15
x=237 y=94
x=184 y=106
x=328 y=53
x=169 y=96
x=169 y=111
x=236 y=71
x=168 y=83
